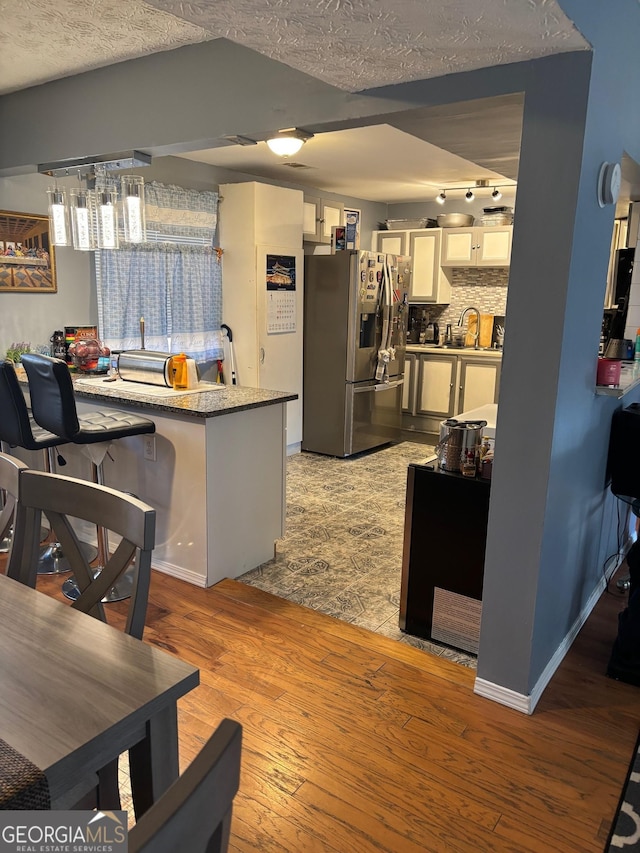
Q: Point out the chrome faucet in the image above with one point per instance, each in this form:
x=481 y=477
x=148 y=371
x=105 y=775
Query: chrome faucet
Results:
x=476 y=334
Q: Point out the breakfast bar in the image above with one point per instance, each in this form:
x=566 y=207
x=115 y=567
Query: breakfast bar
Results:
x=214 y=471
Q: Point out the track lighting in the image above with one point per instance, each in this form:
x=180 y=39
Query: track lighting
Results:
x=483 y=186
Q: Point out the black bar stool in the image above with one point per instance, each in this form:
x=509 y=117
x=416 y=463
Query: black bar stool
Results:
x=19 y=429
x=54 y=407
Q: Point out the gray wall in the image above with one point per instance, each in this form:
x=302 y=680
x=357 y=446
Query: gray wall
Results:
x=551 y=521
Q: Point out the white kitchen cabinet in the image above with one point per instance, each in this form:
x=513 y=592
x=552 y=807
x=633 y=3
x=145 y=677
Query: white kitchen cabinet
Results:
x=391 y=242
x=436 y=393
x=409 y=387
x=257 y=222
x=429 y=282
x=477 y=247
x=479 y=382
x=320 y=215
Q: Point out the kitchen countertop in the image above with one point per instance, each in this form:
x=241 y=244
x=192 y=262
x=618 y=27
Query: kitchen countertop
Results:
x=465 y=351
x=209 y=402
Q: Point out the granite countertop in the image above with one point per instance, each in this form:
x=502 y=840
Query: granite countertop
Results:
x=209 y=400
x=465 y=351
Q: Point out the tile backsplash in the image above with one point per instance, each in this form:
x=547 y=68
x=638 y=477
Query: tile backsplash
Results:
x=484 y=288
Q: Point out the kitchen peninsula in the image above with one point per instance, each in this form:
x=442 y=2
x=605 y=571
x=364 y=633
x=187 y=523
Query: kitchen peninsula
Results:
x=214 y=471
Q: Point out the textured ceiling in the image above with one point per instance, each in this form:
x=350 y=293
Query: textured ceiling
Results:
x=351 y=44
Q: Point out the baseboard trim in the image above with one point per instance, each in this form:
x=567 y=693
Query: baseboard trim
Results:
x=526 y=703
x=181 y=574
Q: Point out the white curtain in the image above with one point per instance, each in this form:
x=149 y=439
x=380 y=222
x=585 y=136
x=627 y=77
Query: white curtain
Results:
x=173 y=281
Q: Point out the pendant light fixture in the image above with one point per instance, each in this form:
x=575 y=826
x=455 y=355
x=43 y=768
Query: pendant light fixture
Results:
x=91 y=219
x=81 y=205
x=442 y=197
x=133 y=208
x=496 y=195
x=59 y=232
x=469 y=196
x=107 y=218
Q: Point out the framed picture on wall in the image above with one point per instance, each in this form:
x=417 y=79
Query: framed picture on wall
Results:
x=27 y=258
x=352 y=223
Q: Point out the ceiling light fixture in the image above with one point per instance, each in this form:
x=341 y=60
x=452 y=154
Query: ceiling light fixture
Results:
x=470 y=195
x=59 y=233
x=94 y=213
x=287 y=142
x=82 y=224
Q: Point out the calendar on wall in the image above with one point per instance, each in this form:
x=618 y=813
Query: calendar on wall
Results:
x=281 y=293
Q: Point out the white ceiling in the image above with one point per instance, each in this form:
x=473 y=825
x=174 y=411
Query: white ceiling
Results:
x=379 y=163
x=351 y=44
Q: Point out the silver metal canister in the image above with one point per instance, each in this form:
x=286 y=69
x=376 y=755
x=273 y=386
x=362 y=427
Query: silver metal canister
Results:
x=152 y=368
x=458 y=440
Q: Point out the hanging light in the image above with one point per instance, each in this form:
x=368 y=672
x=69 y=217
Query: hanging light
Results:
x=133 y=209
x=59 y=233
x=442 y=197
x=469 y=196
x=82 y=219
x=496 y=195
x=107 y=218
x=286 y=143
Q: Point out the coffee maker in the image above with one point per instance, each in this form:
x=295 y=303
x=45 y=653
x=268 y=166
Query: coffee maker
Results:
x=58 y=346
x=417 y=324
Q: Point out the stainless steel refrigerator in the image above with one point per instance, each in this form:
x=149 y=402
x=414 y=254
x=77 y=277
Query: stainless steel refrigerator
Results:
x=354 y=340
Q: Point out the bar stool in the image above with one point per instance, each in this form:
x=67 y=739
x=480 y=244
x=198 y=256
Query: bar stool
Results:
x=19 y=429
x=54 y=408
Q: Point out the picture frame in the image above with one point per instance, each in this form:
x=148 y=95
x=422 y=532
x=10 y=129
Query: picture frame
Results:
x=352 y=218
x=27 y=258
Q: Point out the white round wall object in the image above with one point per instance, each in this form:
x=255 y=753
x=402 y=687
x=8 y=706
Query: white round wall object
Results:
x=609 y=183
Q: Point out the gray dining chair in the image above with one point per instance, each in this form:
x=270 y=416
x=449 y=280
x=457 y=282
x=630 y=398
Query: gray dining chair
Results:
x=194 y=815
x=68 y=500
x=10 y=469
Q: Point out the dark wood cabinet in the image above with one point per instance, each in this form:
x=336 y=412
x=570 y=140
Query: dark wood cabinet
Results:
x=445 y=536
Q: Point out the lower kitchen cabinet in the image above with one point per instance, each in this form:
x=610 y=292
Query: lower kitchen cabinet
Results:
x=408 y=389
x=439 y=385
x=479 y=382
x=436 y=385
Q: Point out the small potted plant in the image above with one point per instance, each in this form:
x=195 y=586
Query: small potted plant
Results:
x=15 y=351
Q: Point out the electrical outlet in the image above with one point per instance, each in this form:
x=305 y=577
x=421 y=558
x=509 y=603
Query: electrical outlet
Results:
x=150 y=447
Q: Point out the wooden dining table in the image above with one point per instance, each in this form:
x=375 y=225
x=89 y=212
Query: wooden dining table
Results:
x=75 y=693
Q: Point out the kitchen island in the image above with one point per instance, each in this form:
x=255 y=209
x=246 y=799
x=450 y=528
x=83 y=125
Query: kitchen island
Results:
x=214 y=471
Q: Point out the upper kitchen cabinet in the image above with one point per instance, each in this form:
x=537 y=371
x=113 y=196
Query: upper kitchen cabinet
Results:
x=320 y=215
x=477 y=247
x=429 y=282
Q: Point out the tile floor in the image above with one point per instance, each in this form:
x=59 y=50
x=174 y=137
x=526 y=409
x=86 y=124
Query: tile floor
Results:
x=342 y=554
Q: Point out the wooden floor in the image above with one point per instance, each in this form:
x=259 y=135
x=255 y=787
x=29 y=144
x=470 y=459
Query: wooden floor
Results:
x=355 y=743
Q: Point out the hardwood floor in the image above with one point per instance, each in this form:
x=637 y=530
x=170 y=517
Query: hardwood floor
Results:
x=354 y=742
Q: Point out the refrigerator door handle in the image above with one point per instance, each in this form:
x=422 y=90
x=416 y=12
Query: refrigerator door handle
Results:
x=385 y=386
